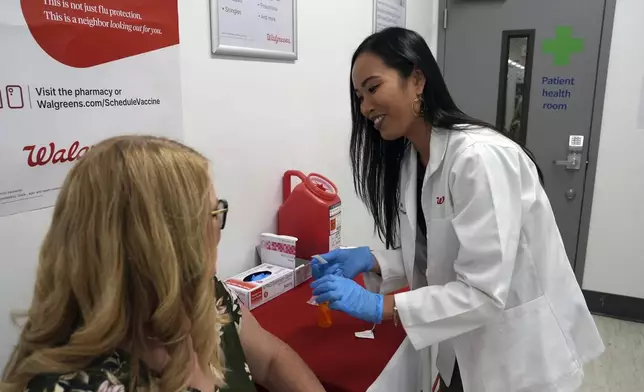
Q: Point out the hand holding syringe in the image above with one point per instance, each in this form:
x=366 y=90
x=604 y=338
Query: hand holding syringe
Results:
x=323 y=267
x=324 y=317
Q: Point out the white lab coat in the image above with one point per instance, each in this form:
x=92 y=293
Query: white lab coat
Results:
x=501 y=295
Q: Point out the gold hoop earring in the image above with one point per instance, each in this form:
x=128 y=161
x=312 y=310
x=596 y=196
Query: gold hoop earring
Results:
x=418 y=106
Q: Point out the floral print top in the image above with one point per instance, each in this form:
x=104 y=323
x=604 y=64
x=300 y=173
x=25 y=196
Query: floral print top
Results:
x=111 y=372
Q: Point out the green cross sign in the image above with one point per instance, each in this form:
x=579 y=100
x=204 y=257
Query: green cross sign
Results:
x=563 y=45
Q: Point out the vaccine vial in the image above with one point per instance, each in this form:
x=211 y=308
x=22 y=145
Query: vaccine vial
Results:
x=324 y=315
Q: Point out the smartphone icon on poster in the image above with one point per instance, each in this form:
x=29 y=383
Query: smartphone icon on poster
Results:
x=15 y=99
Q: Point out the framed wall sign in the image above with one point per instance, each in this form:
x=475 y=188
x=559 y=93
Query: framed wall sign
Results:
x=389 y=13
x=254 y=28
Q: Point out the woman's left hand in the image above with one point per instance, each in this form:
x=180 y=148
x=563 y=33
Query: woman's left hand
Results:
x=349 y=297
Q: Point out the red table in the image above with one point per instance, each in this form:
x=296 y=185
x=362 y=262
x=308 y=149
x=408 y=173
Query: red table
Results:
x=342 y=362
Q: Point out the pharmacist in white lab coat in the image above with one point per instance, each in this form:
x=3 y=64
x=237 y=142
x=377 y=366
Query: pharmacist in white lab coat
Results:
x=470 y=231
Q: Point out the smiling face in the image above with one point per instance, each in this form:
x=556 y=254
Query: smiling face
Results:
x=385 y=97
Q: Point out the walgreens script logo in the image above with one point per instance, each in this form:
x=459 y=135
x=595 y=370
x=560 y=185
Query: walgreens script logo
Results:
x=48 y=154
x=277 y=39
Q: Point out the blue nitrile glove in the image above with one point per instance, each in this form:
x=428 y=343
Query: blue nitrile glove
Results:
x=319 y=270
x=349 y=297
x=345 y=262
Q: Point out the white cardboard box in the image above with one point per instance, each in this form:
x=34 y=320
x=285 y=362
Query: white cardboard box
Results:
x=301 y=268
x=253 y=294
x=281 y=280
x=302 y=271
x=277 y=250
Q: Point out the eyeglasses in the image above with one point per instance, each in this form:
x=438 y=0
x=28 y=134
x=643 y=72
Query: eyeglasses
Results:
x=221 y=212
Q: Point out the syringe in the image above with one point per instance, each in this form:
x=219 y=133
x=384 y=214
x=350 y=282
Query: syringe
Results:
x=324 y=313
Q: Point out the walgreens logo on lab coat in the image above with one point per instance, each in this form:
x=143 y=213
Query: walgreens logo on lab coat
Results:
x=49 y=154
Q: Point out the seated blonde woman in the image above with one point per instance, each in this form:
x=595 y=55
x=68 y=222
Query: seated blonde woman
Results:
x=125 y=296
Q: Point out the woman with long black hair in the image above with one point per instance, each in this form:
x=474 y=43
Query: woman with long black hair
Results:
x=468 y=228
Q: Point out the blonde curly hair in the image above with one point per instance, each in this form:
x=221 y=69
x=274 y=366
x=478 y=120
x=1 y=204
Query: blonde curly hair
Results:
x=129 y=255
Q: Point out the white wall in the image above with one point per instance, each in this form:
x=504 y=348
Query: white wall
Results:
x=615 y=254
x=254 y=120
x=257 y=119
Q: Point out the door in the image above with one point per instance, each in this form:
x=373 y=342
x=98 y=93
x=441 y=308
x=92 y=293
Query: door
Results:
x=530 y=67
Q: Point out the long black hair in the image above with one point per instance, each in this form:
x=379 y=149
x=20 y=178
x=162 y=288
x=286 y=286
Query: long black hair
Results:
x=375 y=162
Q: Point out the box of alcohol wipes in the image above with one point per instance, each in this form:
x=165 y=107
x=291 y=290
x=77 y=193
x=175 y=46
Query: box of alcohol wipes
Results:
x=261 y=284
x=280 y=250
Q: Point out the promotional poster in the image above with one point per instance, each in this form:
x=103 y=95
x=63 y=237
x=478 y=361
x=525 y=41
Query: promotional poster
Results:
x=73 y=73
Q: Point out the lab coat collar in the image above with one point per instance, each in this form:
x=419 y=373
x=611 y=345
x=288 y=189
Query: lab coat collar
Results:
x=437 y=149
x=408 y=178
x=408 y=205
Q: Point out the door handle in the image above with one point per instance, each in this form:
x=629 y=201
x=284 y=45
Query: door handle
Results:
x=572 y=163
x=575 y=147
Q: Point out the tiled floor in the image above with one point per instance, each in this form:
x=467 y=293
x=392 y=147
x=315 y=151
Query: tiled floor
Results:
x=621 y=367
